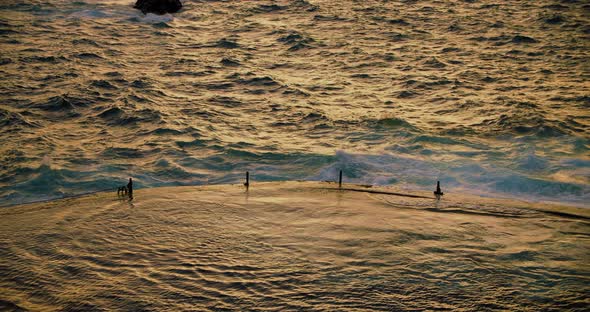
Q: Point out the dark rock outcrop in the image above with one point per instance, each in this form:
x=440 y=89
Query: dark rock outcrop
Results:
x=158 y=6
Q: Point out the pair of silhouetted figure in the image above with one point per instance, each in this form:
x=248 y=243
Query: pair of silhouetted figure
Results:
x=126 y=189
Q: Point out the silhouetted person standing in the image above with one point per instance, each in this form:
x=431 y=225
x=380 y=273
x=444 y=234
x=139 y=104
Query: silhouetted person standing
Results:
x=130 y=188
x=438 y=193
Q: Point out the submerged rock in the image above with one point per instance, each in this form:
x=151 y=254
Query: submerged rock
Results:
x=158 y=6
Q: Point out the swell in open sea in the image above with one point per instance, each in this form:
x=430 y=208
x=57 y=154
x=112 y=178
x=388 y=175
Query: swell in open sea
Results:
x=489 y=97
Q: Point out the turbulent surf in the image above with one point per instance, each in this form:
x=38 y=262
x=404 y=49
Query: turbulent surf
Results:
x=488 y=97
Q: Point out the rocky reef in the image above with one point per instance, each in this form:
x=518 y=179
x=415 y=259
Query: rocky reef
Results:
x=160 y=7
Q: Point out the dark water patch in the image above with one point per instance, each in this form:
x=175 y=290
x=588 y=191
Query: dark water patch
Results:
x=296 y=41
x=239 y=145
x=319 y=120
x=164 y=34
x=406 y=94
x=49 y=78
x=43 y=59
x=304 y=4
x=523 y=39
x=226 y=101
x=397 y=37
x=502 y=39
x=530 y=123
x=526 y=255
x=227 y=43
x=195 y=143
x=515 y=52
x=299 y=45
x=434 y=63
x=373 y=64
x=325 y=18
x=215 y=85
x=450 y=49
x=389 y=57
x=329 y=87
x=485 y=6
x=33 y=50
x=103 y=84
x=455 y=28
x=60 y=103
x=520 y=104
x=265 y=81
x=5 y=61
x=554 y=20
x=141 y=84
x=256 y=91
x=361 y=76
x=555 y=6
x=4 y=32
x=398 y=21
x=85 y=41
x=267 y=8
x=283 y=124
x=488 y=79
x=428 y=85
x=392 y=123
x=88 y=56
x=455 y=62
x=9 y=306
x=535 y=53
x=186 y=61
x=229 y=62
x=113 y=74
x=121 y=116
x=12 y=41
x=166 y=131
x=582 y=99
x=190 y=73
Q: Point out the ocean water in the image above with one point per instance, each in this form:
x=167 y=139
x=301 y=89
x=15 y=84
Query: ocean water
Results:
x=290 y=246
x=489 y=97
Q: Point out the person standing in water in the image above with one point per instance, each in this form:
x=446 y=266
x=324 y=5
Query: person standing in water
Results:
x=130 y=188
x=438 y=193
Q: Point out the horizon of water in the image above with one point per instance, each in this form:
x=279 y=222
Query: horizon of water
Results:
x=489 y=98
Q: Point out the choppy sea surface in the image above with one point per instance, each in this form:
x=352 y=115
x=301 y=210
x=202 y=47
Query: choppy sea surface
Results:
x=489 y=97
